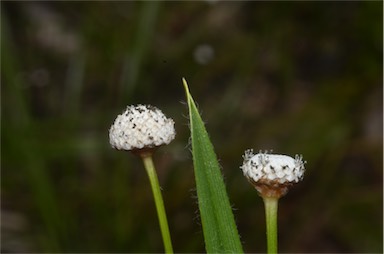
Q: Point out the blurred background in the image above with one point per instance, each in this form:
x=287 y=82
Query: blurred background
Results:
x=292 y=77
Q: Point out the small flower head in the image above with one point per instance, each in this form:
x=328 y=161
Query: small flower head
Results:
x=141 y=127
x=272 y=174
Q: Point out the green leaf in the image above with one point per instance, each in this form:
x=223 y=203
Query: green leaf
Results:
x=220 y=232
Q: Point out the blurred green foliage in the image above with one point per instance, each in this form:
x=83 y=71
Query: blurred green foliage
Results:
x=295 y=77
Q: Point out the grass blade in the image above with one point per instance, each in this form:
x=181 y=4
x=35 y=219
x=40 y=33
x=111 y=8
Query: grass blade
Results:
x=220 y=232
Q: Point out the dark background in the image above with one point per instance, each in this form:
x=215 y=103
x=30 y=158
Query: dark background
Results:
x=296 y=77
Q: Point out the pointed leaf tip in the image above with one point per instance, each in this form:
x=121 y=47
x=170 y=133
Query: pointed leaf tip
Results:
x=185 y=86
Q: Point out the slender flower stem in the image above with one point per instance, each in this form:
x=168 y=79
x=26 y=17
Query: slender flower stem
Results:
x=149 y=166
x=271 y=204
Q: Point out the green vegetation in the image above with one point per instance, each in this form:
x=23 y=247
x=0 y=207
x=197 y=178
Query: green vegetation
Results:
x=295 y=77
x=218 y=224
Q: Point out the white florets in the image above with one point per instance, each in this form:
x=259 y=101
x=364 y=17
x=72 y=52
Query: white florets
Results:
x=272 y=168
x=141 y=126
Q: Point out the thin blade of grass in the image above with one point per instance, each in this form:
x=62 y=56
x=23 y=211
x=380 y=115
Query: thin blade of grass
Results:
x=220 y=232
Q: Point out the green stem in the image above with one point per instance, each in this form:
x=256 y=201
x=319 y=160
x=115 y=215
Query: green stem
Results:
x=149 y=166
x=271 y=205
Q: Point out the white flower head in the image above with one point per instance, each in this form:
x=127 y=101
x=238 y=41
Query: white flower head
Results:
x=272 y=174
x=141 y=127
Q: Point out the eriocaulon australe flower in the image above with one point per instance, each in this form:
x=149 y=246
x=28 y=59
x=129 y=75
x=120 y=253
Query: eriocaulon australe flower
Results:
x=141 y=129
x=272 y=175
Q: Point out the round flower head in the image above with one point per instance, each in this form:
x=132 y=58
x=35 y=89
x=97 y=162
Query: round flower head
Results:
x=272 y=174
x=141 y=127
